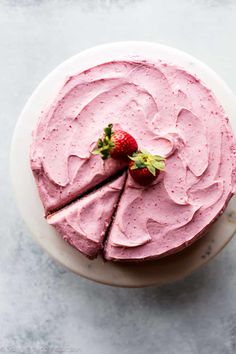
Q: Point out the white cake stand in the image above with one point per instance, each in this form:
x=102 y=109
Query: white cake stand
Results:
x=128 y=275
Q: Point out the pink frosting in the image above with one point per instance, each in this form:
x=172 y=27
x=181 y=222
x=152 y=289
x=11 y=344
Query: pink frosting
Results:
x=169 y=112
x=193 y=133
x=84 y=223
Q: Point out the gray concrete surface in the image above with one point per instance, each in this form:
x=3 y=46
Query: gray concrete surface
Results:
x=43 y=307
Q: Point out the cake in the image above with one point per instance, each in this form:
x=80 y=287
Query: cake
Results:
x=169 y=112
x=84 y=223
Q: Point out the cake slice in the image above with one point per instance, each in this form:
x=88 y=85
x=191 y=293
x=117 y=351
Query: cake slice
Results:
x=84 y=223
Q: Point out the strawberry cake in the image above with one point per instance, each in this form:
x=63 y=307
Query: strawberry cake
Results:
x=183 y=139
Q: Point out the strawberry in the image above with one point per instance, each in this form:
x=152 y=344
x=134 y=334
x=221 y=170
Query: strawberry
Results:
x=117 y=144
x=145 y=167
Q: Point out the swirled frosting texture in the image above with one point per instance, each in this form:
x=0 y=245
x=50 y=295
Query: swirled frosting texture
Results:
x=169 y=112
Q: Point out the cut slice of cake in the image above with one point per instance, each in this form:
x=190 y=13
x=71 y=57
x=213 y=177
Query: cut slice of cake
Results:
x=84 y=223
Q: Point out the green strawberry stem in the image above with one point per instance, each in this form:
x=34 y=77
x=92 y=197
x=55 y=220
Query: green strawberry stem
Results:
x=143 y=159
x=105 y=144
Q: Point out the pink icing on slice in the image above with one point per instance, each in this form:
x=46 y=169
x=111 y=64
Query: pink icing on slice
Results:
x=83 y=224
x=126 y=239
x=138 y=209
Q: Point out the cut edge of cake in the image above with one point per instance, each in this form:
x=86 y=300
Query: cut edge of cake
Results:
x=84 y=222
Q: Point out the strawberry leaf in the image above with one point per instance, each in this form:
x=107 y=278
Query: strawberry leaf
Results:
x=159 y=165
x=131 y=158
x=105 y=144
x=151 y=169
x=145 y=159
x=139 y=164
x=108 y=131
x=100 y=143
x=96 y=152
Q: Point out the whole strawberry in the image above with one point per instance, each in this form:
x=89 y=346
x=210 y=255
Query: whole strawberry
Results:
x=117 y=144
x=145 y=167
